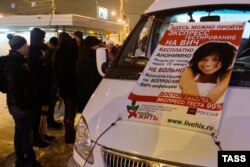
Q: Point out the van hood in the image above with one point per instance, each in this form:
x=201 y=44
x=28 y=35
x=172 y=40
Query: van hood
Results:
x=142 y=138
x=161 y=144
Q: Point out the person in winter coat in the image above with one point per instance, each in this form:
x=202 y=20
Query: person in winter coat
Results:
x=78 y=35
x=39 y=84
x=64 y=67
x=87 y=76
x=17 y=75
x=50 y=49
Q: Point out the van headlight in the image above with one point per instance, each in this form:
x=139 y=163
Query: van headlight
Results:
x=83 y=143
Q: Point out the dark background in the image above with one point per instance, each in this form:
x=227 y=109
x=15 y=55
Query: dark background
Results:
x=131 y=9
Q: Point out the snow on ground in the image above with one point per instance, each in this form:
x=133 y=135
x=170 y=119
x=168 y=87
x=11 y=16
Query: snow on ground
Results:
x=56 y=155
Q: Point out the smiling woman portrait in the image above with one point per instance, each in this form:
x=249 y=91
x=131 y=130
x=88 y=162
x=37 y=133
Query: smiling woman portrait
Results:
x=209 y=71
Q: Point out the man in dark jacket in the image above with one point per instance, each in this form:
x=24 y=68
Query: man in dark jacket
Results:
x=40 y=80
x=50 y=49
x=87 y=75
x=16 y=72
x=78 y=35
x=64 y=67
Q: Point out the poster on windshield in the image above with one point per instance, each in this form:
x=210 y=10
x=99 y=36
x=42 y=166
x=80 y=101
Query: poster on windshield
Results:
x=186 y=78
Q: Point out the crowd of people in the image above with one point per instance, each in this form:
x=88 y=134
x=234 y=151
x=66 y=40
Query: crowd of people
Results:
x=39 y=75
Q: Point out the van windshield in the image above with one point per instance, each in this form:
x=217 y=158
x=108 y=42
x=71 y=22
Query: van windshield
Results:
x=147 y=34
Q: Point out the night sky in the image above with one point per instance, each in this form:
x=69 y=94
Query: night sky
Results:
x=132 y=8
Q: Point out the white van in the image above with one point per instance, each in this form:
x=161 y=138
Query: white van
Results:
x=110 y=134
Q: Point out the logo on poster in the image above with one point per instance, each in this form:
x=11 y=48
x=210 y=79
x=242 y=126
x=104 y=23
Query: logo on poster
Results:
x=191 y=111
x=133 y=113
x=132 y=110
x=195 y=111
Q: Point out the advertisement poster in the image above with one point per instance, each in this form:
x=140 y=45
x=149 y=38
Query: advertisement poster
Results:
x=186 y=78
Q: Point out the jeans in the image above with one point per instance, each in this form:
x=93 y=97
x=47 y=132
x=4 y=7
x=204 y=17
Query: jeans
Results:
x=36 y=111
x=23 y=136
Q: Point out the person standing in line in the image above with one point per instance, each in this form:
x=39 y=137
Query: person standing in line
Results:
x=17 y=74
x=78 y=35
x=50 y=49
x=87 y=75
x=40 y=84
x=65 y=57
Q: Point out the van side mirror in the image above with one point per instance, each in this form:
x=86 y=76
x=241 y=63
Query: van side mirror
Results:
x=101 y=60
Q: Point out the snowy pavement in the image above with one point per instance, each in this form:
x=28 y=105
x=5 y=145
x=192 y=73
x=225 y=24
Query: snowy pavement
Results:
x=56 y=155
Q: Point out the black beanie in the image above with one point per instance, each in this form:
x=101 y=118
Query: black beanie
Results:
x=54 y=41
x=16 y=42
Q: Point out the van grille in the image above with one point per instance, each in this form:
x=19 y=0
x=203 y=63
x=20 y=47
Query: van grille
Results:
x=112 y=159
x=115 y=158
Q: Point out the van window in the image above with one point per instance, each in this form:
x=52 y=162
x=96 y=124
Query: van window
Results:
x=137 y=55
x=143 y=40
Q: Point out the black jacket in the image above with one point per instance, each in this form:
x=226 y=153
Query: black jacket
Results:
x=17 y=74
x=87 y=77
x=64 y=67
x=40 y=77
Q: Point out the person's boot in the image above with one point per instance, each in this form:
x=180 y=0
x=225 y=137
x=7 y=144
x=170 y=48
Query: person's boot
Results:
x=70 y=133
x=54 y=125
x=38 y=142
x=34 y=164
x=21 y=162
x=49 y=138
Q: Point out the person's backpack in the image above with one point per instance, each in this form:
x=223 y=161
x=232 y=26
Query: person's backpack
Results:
x=3 y=84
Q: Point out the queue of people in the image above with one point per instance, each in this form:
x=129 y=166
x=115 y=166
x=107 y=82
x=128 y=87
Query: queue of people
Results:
x=38 y=76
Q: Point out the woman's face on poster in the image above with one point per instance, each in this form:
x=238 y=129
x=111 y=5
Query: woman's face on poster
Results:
x=210 y=64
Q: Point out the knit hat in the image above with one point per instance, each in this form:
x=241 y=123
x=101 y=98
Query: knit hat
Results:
x=9 y=36
x=16 y=41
